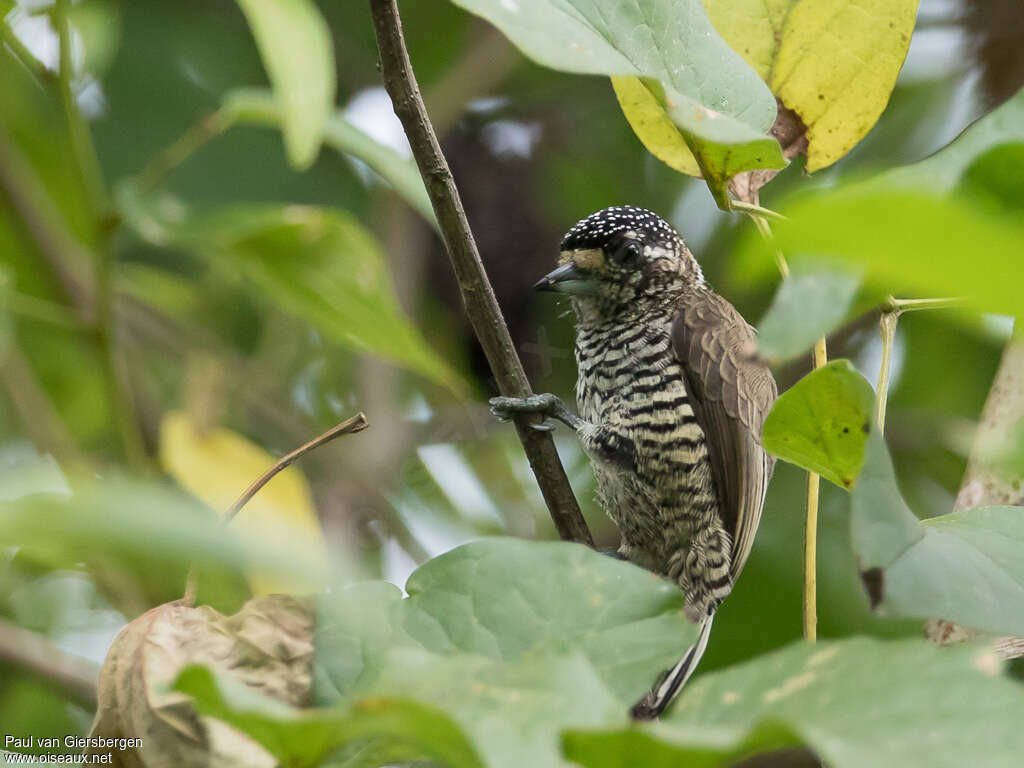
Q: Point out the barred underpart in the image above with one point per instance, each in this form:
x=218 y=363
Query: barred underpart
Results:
x=649 y=454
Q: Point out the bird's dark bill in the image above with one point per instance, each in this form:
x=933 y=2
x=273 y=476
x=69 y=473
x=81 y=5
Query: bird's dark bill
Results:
x=568 y=278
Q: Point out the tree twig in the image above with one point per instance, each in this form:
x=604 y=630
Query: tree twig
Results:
x=350 y=426
x=887 y=330
x=811 y=529
x=173 y=155
x=477 y=294
x=71 y=675
x=820 y=358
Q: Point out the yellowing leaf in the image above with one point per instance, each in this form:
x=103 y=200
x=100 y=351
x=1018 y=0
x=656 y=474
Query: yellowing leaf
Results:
x=836 y=67
x=650 y=123
x=217 y=465
x=833 y=62
x=692 y=138
x=753 y=28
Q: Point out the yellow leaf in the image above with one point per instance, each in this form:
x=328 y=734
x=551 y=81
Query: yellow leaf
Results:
x=651 y=124
x=752 y=28
x=216 y=466
x=837 y=66
x=833 y=62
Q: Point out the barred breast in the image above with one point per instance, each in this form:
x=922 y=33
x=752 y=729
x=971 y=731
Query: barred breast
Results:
x=631 y=383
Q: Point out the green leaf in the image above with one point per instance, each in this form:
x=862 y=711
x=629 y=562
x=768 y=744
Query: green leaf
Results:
x=672 y=747
x=254 y=105
x=822 y=422
x=307 y=737
x=933 y=246
x=718 y=104
x=324 y=267
x=295 y=45
x=485 y=637
x=907 y=230
x=150 y=531
x=966 y=567
x=866 y=702
x=806 y=307
x=995 y=178
x=942 y=171
x=317 y=264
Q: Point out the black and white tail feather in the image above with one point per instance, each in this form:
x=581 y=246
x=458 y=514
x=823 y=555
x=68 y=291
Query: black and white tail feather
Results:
x=659 y=697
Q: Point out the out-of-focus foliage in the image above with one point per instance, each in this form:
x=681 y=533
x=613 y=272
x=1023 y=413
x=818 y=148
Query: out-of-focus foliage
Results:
x=332 y=295
x=217 y=465
x=381 y=730
x=295 y=45
x=806 y=307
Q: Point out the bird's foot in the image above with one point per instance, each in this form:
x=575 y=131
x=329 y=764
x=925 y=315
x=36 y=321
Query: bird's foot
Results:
x=547 y=404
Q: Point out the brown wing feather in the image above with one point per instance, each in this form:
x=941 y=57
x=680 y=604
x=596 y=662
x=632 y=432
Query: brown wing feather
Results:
x=731 y=393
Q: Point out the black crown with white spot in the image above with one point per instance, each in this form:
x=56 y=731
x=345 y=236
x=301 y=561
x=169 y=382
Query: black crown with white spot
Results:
x=598 y=229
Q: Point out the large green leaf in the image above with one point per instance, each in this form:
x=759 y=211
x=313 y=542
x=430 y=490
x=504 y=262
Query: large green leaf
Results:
x=676 y=746
x=295 y=45
x=854 y=703
x=320 y=265
x=150 y=531
x=324 y=267
x=514 y=639
x=909 y=232
x=305 y=738
x=942 y=171
x=807 y=306
x=923 y=243
x=822 y=422
x=966 y=567
x=254 y=105
x=718 y=104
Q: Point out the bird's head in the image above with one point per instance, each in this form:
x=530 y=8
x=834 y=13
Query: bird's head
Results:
x=621 y=260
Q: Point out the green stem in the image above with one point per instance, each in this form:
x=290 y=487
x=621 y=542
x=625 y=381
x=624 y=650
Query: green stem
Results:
x=766 y=232
x=88 y=167
x=810 y=580
x=82 y=147
x=182 y=148
x=755 y=210
x=910 y=305
x=887 y=330
x=23 y=54
x=42 y=310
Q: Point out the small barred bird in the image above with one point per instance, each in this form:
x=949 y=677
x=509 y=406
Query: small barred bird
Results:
x=671 y=399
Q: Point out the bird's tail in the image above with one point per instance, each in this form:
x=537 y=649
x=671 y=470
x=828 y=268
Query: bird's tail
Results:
x=658 y=698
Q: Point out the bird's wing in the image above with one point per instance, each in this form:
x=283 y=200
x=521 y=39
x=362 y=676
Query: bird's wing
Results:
x=731 y=392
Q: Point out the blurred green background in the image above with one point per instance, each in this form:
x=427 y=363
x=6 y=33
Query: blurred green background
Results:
x=199 y=330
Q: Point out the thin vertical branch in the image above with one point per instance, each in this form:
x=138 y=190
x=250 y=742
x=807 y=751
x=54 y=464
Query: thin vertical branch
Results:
x=810 y=576
x=86 y=162
x=811 y=530
x=887 y=330
x=88 y=167
x=477 y=294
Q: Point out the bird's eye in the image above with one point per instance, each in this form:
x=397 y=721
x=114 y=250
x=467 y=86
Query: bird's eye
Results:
x=628 y=254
